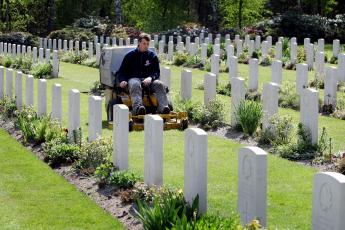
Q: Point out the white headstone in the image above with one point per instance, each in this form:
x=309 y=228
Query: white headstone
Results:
x=310 y=56
x=34 y=54
x=186 y=84
x=336 y=47
x=98 y=53
x=161 y=47
x=203 y=53
x=42 y=97
x=170 y=50
x=341 y=67
x=95 y=117
x=301 y=77
x=90 y=50
x=251 y=48
x=330 y=92
x=41 y=57
x=71 y=44
x=83 y=45
x=56 y=102
x=253 y=74
x=187 y=43
x=328 y=201
x=47 y=55
x=238 y=48
x=321 y=45
x=9 y=83
x=54 y=44
x=270 y=96
x=74 y=111
x=19 y=90
x=257 y=42
x=215 y=64
x=59 y=44
x=166 y=76
x=306 y=43
x=29 y=90
x=55 y=64
x=309 y=112
x=195 y=167
x=77 y=46
x=279 y=50
x=121 y=42
x=320 y=63
x=216 y=48
x=264 y=49
x=293 y=53
x=153 y=153
x=65 y=46
x=252 y=185
x=2 y=81
x=277 y=72
x=238 y=93
x=233 y=67
x=210 y=86
x=120 y=136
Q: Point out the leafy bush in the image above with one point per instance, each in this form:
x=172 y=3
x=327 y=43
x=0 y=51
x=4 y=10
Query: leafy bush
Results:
x=211 y=116
x=278 y=132
x=41 y=70
x=301 y=55
x=253 y=95
x=165 y=210
x=8 y=106
x=224 y=89
x=37 y=129
x=19 y=38
x=193 y=61
x=180 y=58
x=92 y=155
x=107 y=174
x=248 y=115
x=58 y=152
x=288 y=97
x=340 y=114
x=90 y=62
x=303 y=149
x=72 y=33
x=267 y=61
x=22 y=62
x=75 y=57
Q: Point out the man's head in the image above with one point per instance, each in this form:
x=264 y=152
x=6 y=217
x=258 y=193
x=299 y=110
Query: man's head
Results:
x=144 y=42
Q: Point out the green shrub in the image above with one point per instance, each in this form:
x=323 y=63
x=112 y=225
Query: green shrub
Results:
x=41 y=70
x=210 y=116
x=301 y=55
x=255 y=54
x=253 y=95
x=224 y=89
x=340 y=114
x=278 y=132
x=74 y=57
x=72 y=33
x=318 y=82
x=8 y=106
x=90 y=62
x=96 y=89
x=166 y=209
x=107 y=174
x=303 y=149
x=267 y=61
x=248 y=115
x=58 y=152
x=7 y=61
x=192 y=109
x=22 y=62
x=180 y=58
x=193 y=61
x=288 y=97
x=334 y=60
x=92 y=155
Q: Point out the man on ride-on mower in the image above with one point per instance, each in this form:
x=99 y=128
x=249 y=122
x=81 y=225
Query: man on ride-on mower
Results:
x=140 y=68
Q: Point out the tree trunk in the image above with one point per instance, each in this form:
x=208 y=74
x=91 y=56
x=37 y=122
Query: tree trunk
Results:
x=8 y=21
x=118 y=12
x=214 y=5
x=51 y=15
x=164 y=13
x=240 y=8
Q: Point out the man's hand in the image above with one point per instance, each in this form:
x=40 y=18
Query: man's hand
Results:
x=123 y=84
x=147 y=81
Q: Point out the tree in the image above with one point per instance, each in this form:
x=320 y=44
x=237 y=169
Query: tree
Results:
x=118 y=12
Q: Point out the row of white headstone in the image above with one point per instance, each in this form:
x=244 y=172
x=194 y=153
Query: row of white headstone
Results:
x=18 y=50
x=329 y=188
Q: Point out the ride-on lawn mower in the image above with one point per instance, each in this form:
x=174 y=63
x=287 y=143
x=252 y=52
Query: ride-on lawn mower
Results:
x=110 y=62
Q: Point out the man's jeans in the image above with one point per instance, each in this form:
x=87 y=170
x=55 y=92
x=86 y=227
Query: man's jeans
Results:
x=135 y=90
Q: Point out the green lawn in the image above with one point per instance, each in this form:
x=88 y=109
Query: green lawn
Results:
x=32 y=196
x=289 y=183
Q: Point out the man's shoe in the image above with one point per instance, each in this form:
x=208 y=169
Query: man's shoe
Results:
x=141 y=110
x=166 y=110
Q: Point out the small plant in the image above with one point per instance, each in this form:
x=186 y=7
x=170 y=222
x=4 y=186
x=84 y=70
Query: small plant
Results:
x=278 y=132
x=41 y=70
x=288 y=97
x=107 y=174
x=92 y=155
x=75 y=57
x=59 y=152
x=90 y=62
x=165 y=210
x=180 y=58
x=248 y=115
x=96 y=89
x=211 y=116
x=8 y=106
x=334 y=60
x=267 y=61
x=253 y=95
x=318 y=82
x=224 y=89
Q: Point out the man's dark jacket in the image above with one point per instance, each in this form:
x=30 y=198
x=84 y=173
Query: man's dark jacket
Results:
x=138 y=64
